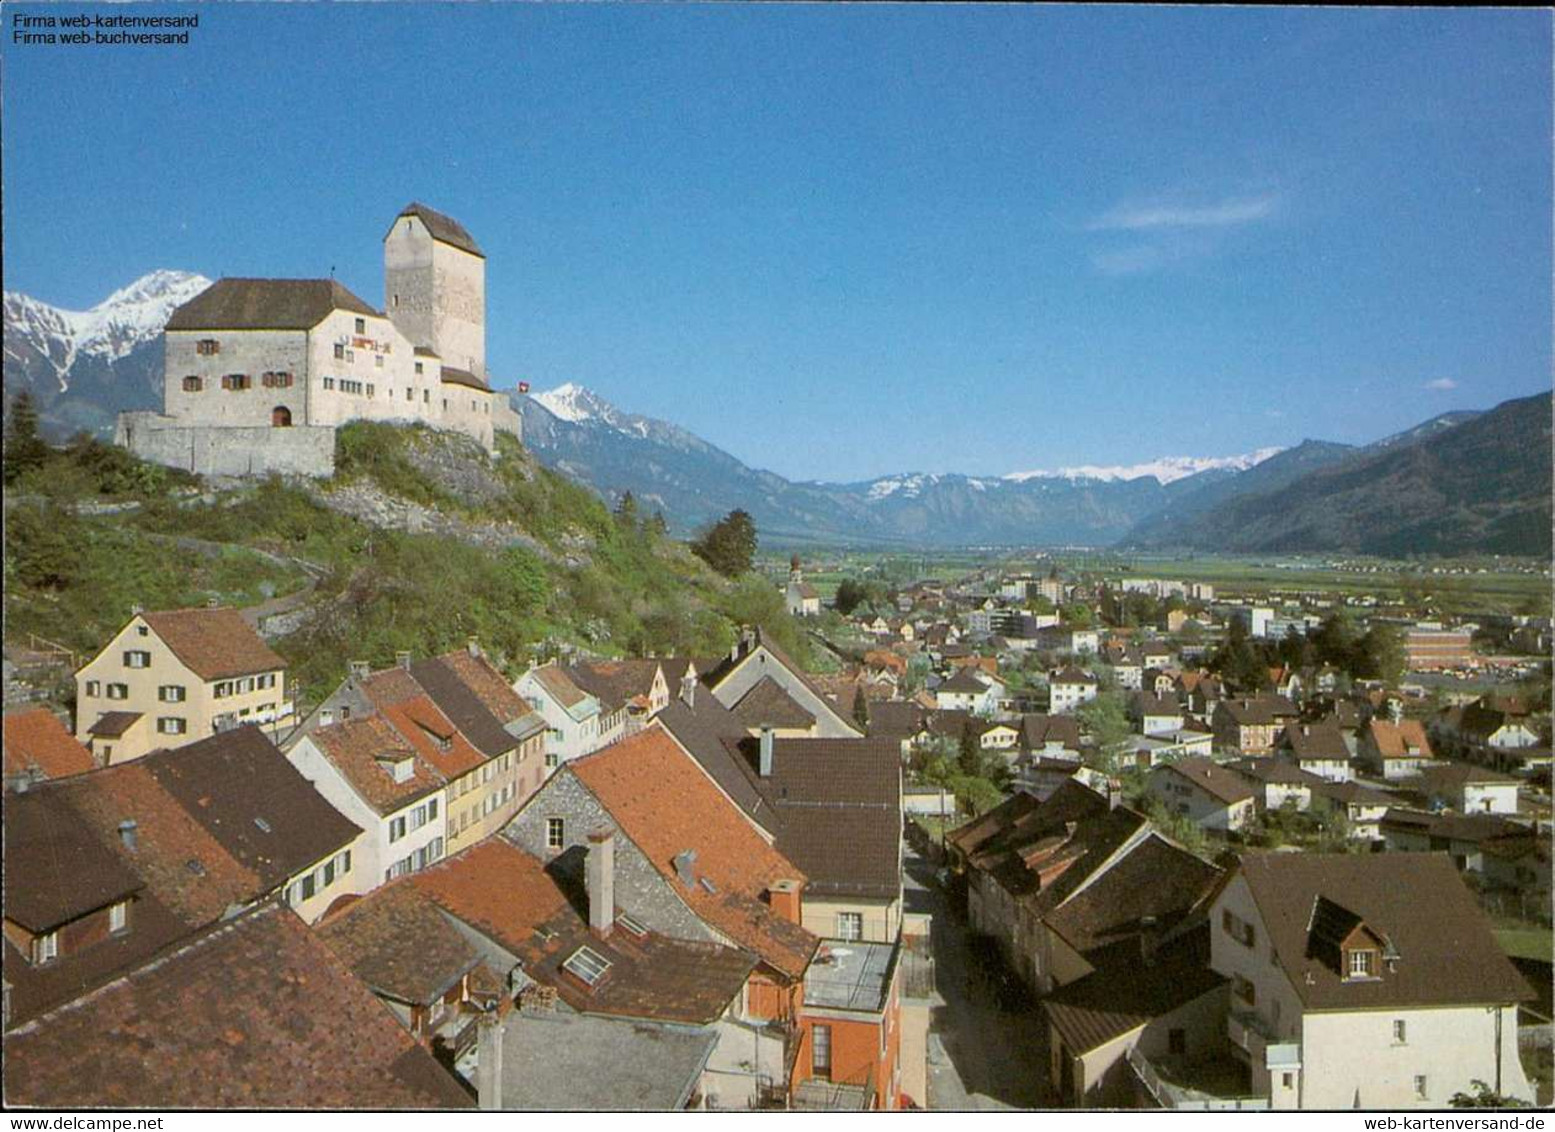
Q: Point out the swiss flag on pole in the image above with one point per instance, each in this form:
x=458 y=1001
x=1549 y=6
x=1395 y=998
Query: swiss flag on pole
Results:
x=523 y=387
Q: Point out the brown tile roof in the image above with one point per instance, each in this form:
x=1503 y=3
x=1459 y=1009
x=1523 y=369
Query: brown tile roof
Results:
x=1102 y=1007
x=1415 y=901
x=360 y=749
x=1352 y=793
x=768 y=703
x=701 y=732
x=1315 y=741
x=615 y=683
x=1154 y=878
x=112 y=724
x=1219 y=782
x=243 y=792
x=55 y=867
x=397 y=942
x=36 y=741
x=1452 y=776
x=1038 y=730
x=666 y=805
x=255 y=1013
x=1406 y=740
x=214 y=643
x=1275 y=770
x=964 y=683
x=540 y=914
x=448 y=680
x=1072 y=676
x=444 y=228
x=436 y=740
x=265 y=304
x=1259 y=711
x=1473 y=828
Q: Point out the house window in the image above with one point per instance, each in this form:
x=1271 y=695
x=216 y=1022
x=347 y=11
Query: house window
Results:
x=340 y=351
x=137 y=658
x=1398 y=1031
x=820 y=1052
x=93 y=688
x=361 y=326
x=396 y=828
x=171 y=693
x=1244 y=990
x=552 y=760
x=410 y=394
x=555 y=832
x=118 y=691
x=119 y=916
x=207 y=346
x=236 y=381
x=172 y=725
x=418 y=367
x=45 y=948
x=369 y=389
x=426 y=396
x=1420 y=1087
x=193 y=384
x=329 y=383
x=850 y=925
x=1361 y=963
x=1287 y=1080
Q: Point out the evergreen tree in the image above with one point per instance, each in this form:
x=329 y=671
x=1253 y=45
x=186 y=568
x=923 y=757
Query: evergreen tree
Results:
x=626 y=512
x=24 y=449
x=657 y=526
x=729 y=545
x=861 y=709
x=849 y=594
x=970 y=758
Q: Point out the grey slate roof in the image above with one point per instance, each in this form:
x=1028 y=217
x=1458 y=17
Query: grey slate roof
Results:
x=444 y=228
x=564 y=1062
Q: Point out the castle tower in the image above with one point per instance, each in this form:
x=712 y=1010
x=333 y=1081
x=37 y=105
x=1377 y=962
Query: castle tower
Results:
x=434 y=286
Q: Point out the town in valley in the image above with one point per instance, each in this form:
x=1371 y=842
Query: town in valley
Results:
x=380 y=733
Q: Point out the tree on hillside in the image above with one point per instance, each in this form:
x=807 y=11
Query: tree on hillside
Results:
x=24 y=446
x=626 y=511
x=849 y=594
x=729 y=545
x=657 y=525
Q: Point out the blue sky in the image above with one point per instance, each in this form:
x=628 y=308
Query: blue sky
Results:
x=846 y=241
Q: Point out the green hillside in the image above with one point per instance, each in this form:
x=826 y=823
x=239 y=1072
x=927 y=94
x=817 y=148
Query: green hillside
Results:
x=532 y=559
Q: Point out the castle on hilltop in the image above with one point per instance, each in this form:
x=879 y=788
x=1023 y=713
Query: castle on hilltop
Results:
x=258 y=373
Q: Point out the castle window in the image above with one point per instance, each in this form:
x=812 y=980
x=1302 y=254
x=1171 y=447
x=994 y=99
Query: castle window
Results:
x=418 y=367
x=396 y=300
x=369 y=389
x=329 y=383
x=410 y=394
x=426 y=396
x=193 y=384
x=276 y=381
x=378 y=360
x=361 y=326
x=207 y=346
x=340 y=351
x=236 y=381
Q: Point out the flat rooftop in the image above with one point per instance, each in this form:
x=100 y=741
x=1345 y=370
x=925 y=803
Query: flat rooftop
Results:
x=848 y=974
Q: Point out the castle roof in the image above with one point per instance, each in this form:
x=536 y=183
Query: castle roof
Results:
x=452 y=376
x=444 y=229
x=265 y=304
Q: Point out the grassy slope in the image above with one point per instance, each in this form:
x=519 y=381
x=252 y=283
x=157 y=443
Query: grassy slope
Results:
x=611 y=587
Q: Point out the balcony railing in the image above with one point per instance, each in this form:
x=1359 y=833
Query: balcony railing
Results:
x=1263 y=1047
x=1171 y=1093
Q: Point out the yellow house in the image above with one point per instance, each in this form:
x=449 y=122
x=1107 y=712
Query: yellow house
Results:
x=174 y=677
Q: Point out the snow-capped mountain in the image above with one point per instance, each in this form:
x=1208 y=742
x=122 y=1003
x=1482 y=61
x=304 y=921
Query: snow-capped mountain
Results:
x=665 y=467
x=82 y=367
x=1167 y=469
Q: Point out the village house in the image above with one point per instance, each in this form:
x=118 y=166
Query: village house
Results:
x=38 y=747
x=1361 y=807
x=576 y=722
x=1277 y=783
x=1348 y=990
x=971 y=690
x=1467 y=788
x=1155 y=715
x=1069 y=688
x=1318 y=748
x=1068 y=885
x=174 y=677
x=260 y=372
x=755 y=657
x=1396 y=750
x=1250 y=726
x=1212 y=796
x=158 y=848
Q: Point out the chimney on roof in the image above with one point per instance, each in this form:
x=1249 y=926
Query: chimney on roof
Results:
x=472 y=646
x=766 y=751
x=688 y=687
x=137 y=609
x=1396 y=711
x=127 y=833
x=685 y=867
x=601 y=881
x=488 y=1068
x=360 y=669
x=786 y=898
x=402 y=659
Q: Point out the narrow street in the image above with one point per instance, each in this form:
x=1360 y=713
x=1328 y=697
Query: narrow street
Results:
x=980 y=1057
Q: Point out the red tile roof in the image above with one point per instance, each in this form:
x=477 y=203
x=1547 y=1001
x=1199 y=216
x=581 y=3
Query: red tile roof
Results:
x=214 y=643
x=362 y=750
x=256 y=1013
x=396 y=941
x=665 y=803
x=35 y=739
x=1406 y=740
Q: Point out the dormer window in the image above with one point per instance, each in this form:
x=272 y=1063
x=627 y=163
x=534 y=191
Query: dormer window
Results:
x=1361 y=963
x=45 y=948
x=401 y=770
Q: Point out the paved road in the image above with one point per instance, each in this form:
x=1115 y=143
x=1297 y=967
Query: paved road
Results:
x=980 y=1057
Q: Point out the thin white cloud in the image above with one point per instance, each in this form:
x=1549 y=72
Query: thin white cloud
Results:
x=1442 y=383
x=1236 y=210
x=1129 y=261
